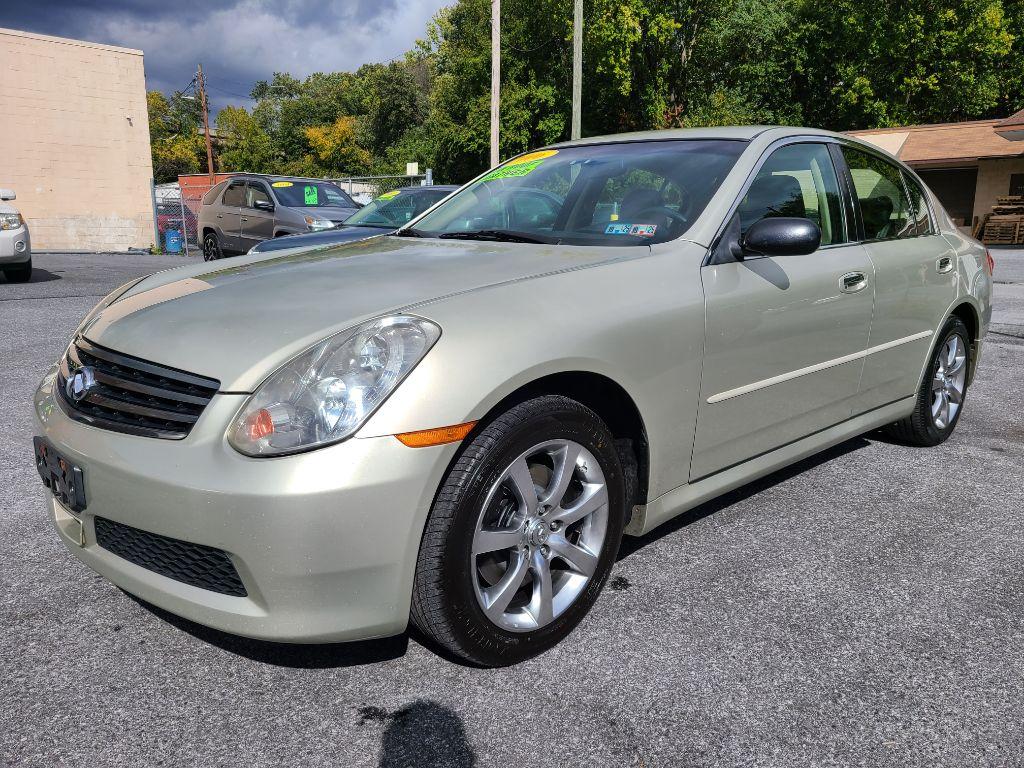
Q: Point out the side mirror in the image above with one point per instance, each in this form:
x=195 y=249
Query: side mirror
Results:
x=7 y=194
x=263 y=205
x=782 y=236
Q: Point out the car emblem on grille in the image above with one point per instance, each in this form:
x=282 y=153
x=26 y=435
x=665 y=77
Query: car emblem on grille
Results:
x=78 y=386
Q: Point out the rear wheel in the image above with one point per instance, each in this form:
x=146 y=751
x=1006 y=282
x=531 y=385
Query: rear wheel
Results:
x=940 y=399
x=19 y=274
x=522 y=535
x=211 y=247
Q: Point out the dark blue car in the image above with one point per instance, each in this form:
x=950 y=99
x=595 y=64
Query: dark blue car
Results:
x=380 y=217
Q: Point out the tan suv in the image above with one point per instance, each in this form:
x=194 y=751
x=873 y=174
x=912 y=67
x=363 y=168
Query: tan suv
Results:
x=244 y=211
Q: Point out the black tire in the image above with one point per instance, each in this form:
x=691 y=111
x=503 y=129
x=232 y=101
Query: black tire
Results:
x=919 y=428
x=211 y=247
x=19 y=274
x=444 y=605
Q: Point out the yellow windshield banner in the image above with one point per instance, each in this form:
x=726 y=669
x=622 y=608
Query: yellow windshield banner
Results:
x=281 y=184
x=388 y=195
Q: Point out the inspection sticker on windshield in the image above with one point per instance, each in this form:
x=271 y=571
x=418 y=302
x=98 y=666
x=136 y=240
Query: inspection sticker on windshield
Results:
x=310 y=196
x=281 y=184
x=520 y=166
x=388 y=195
x=637 y=230
x=617 y=229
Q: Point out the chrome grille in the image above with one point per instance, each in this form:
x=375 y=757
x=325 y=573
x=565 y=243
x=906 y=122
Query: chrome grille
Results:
x=132 y=395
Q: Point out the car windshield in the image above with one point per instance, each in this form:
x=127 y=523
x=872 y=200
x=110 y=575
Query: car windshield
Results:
x=393 y=209
x=627 y=193
x=311 y=194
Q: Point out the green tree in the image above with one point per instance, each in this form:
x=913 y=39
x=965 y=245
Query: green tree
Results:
x=874 y=63
x=244 y=145
x=173 y=135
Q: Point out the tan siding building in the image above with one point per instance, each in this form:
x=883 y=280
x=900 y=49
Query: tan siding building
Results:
x=968 y=165
x=74 y=135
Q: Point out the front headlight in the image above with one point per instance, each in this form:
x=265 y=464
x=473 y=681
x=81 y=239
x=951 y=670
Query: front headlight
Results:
x=10 y=220
x=326 y=393
x=316 y=223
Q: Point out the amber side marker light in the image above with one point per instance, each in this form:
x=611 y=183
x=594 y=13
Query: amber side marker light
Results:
x=438 y=436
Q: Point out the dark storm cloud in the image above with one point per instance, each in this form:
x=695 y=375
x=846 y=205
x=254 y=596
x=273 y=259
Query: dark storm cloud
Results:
x=238 y=42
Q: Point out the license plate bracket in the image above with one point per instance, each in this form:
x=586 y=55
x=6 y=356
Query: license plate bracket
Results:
x=65 y=480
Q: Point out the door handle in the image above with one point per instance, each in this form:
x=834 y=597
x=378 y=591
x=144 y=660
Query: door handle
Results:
x=245 y=218
x=220 y=215
x=852 y=282
x=944 y=265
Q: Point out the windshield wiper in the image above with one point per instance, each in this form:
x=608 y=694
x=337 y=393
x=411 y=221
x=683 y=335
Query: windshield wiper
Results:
x=409 y=232
x=501 y=235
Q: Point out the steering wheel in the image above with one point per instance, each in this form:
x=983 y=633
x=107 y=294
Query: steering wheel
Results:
x=664 y=210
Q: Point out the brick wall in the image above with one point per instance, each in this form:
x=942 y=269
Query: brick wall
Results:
x=74 y=134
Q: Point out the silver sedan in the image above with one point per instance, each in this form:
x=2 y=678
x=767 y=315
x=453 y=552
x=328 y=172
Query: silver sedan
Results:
x=458 y=423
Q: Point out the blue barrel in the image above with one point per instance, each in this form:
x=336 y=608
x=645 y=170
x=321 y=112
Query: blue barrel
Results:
x=172 y=237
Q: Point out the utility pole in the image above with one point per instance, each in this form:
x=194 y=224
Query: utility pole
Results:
x=206 y=122
x=495 y=77
x=577 y=67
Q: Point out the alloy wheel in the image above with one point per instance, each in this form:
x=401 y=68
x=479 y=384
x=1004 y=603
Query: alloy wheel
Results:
x=539 y=535
x=949 y=381
x=210 y=249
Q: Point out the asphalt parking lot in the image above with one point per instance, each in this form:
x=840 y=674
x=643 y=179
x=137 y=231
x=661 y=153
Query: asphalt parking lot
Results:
x=865 y=607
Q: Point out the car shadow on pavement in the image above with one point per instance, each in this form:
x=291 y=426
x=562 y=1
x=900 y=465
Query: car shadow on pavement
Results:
x=295 y=655
x=38 y=276
x=423 y=734
x=632 y=544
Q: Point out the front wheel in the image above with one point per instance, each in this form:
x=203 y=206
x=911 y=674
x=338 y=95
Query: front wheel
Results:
x=522 y=535
x=940 y=399
x=211 y=247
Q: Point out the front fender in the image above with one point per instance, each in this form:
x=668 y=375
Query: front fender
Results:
x=638 y=322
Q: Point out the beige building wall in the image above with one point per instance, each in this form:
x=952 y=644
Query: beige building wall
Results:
x=994 y=181
x=74 y=142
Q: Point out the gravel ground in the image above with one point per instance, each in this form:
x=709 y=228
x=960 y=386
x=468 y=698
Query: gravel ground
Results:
x=861 y=608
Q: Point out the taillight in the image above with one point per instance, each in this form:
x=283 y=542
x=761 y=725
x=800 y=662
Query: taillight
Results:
x=990 y=263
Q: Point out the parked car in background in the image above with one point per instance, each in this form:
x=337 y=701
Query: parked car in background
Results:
x=15 y=243
x=458 y=422
x=245 y=210
x=383 y=215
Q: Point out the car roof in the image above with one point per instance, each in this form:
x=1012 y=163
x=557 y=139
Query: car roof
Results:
x=275 y=177
x=429 y=187
x=729 y=132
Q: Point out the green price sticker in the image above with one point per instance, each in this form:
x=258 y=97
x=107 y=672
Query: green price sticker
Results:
x=310 y=194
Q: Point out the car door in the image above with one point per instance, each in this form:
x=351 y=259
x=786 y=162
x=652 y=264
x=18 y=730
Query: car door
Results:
x=228 y=218
x=256 y=225
x=915 y=275
x=784 y=336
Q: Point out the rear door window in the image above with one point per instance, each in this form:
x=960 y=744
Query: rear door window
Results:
x=884 y=205
x=922 y=221
x=234 y=195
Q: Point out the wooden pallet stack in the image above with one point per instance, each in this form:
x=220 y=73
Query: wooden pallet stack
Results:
x=1005 y=225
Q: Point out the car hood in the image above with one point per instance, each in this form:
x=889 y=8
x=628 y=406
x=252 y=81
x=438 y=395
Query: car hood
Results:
x=238 y=321
x=332 y=212
x=341 y=234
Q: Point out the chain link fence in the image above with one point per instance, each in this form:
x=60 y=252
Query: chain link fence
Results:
x=363 y=189
x=173 y=220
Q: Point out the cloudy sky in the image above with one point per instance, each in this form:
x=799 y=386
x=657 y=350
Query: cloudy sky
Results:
x=237 y=41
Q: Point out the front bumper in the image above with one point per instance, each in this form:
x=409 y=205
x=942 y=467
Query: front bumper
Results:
x=325 y=542
x=15 y=246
